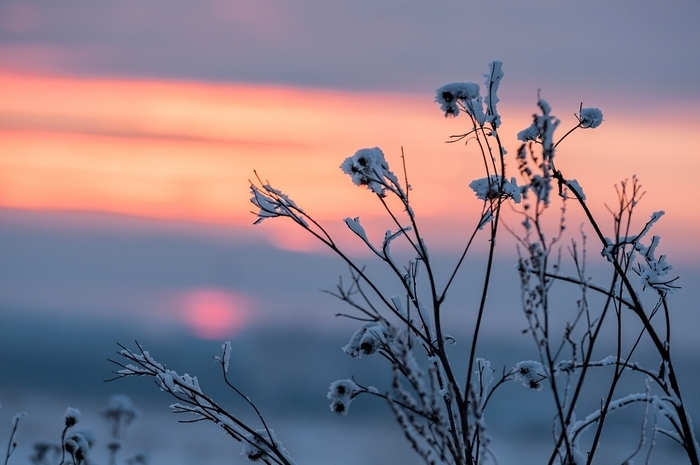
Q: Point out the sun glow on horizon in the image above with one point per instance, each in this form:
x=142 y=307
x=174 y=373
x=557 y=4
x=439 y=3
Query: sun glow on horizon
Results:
x=212 y=313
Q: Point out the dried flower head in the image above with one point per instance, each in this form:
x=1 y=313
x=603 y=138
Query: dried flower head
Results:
x=71 y=417
x=368 y=167
x=368 y=339
x=531 y=373
x=590 y=117
x=341 y=393
x=449 y=95
x=495 y=187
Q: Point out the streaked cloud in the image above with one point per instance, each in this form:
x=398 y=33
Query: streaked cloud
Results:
x=185 y=151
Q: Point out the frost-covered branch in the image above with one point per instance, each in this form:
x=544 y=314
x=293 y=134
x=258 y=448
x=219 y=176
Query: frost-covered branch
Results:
x=258 y=444
x=439 y=404
x=539 y=172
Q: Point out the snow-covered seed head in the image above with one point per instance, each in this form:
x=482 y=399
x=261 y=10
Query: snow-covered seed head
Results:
x=340 y=406
x=78 y=447
x=495 y=187
x=450 y=94
x=531 y=373
x=533 y=384
x=341 y=389
x=368 y=339
x=83 y=444
x=70 y=445
x=341 y=393
x=590 y=117
x=565 y=366
x=369 y=346
x=367 y=167
x=71 y=417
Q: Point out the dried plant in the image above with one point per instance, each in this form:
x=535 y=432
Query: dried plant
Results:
x=441 y=406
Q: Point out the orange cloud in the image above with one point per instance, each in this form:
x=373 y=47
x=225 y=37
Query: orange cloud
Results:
x=185 y=151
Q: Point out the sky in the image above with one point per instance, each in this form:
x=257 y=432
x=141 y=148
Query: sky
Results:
x=163 y=111
x=129 y=132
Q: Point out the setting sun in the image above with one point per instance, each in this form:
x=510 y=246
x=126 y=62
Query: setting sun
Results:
x=213 y=313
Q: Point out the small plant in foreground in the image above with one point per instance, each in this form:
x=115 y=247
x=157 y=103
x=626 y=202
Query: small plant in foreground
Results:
x=75 y=446
x=439 y=405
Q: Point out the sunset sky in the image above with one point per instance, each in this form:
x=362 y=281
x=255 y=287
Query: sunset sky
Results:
x=129 y=131
x=163 y=110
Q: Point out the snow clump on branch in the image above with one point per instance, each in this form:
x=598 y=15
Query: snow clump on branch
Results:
x=368 y=167
x=494 y=187
x=256 y=446
x=450 y=94
x=368 y=339
x=531 y=373
x=71 y=417
x=341 y=394
x=590 y=117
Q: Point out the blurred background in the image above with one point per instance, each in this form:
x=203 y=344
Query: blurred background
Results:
x=128 y=134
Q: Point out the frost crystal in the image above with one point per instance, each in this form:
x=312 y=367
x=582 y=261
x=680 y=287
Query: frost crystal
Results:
x=590 y=117
x=490 y=188
x=368 y=168
x=450 y=94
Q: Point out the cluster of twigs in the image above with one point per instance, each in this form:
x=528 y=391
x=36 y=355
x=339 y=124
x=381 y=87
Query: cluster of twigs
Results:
x=439 y=406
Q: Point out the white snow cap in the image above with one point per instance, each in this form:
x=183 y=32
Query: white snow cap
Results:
x=449 y=94
x=341 y=393
x=72 y=416
x=367 y=168
x=531 y=373
x=368 y=339
x=590 y=117
x=490 y=188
